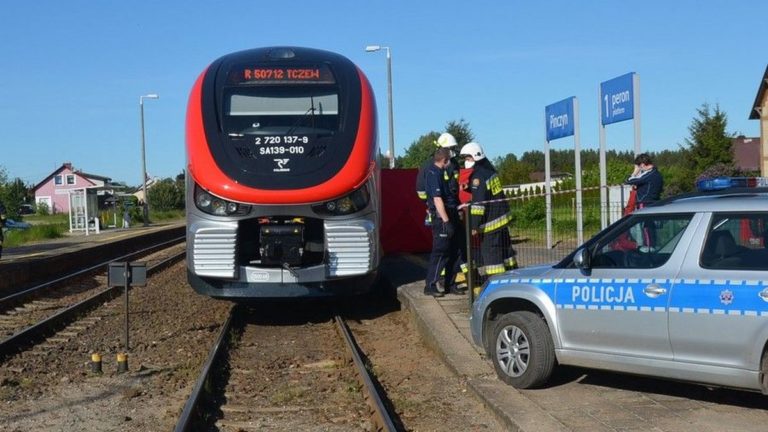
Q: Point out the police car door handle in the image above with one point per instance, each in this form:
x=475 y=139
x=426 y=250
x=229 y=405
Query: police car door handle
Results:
x=654 y=290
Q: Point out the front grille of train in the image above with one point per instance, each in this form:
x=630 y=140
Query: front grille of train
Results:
x=349 y=248
x=214 y=252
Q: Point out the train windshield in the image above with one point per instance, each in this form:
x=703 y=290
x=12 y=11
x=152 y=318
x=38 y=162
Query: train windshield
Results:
x=284 y=111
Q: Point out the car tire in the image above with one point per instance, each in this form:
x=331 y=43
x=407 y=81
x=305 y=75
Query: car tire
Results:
x=522 y=350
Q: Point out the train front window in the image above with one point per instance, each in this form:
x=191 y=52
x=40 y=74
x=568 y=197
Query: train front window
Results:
x=269 y=111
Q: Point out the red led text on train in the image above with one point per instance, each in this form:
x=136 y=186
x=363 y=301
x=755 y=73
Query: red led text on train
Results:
x=279 y=74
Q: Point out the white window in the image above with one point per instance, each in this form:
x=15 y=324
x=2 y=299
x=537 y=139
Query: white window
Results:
x=58 y=180
x=70 y=179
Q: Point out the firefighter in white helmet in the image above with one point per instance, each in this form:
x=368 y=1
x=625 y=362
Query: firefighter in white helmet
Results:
x=489 y=213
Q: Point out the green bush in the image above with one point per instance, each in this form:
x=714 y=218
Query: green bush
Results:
x=43 y=209
x=530 y=213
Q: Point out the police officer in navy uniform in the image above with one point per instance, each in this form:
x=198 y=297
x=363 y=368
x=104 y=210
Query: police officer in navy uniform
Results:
x=647 y=181
x=451 y=171
x=442 y=205
x=489 y=213
x=451 y=175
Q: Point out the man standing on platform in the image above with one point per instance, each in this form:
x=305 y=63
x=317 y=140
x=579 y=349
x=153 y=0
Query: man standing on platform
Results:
x=442 y=203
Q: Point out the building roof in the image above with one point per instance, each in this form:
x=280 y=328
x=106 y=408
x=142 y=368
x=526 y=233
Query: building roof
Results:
x=540 y=176
x=68 y=165
x=754 y=114
x=746 y=153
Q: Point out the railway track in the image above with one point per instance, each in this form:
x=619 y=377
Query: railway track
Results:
x=49 y=312
x=279 y=376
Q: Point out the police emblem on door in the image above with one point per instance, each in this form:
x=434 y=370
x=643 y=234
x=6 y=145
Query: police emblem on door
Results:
x=726 y=297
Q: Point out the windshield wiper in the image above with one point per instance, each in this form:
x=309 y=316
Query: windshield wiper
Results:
x=311 y=111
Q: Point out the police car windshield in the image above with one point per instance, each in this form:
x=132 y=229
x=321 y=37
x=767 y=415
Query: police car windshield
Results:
x=636 y=241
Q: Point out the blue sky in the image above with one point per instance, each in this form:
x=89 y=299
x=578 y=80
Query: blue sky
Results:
x=72 y=71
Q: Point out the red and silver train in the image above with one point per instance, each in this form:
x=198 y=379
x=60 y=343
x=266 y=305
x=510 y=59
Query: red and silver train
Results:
x=282 y=185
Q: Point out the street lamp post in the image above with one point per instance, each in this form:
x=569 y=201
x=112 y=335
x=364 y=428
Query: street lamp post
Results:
x=143 y=157
x=374 y=48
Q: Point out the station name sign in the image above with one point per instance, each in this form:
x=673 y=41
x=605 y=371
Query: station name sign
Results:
x=560 y=119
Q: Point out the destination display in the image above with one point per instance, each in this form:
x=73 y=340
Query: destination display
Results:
x=282 y=74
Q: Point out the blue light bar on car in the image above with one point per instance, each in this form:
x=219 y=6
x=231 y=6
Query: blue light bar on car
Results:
x=722 y=183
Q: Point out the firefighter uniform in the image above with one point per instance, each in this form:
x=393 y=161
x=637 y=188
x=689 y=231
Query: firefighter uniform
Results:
x=490 y=220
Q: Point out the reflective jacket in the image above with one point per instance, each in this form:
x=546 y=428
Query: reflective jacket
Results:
x=485 y=184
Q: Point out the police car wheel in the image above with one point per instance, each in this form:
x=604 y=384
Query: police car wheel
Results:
x=523 y=352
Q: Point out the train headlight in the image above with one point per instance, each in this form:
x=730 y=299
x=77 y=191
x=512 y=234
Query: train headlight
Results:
x=218 y=206
x=348 y=204
x=203 y=199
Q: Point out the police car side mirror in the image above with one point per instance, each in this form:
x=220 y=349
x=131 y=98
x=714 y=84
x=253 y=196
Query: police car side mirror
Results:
x=582 y=259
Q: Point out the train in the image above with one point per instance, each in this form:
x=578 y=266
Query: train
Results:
x=283 y=180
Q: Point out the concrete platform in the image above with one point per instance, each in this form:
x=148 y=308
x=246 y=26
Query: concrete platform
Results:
x=78 y=240
x=20 y=267
x=576 y=399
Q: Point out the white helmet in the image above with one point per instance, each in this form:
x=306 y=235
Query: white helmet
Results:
x=473 y=149
x=446 y=140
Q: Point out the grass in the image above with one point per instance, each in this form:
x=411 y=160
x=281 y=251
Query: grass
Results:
x=34 y=234
x=46 y=227
x=164 y=215
x=34 y=219
x=287 y=393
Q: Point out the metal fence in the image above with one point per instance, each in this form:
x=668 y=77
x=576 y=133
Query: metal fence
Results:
x=525 y=236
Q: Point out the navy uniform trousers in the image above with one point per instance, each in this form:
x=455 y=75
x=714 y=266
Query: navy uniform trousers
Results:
x=446 y=251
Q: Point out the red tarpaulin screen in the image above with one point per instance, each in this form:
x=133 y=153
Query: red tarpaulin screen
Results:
x=402 y=218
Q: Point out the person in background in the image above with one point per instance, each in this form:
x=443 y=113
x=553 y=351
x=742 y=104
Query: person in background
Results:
x=126 y=218
x=646 y=184
x=489 y=213
x=442 y=204
x=3 y=217
x=646 y=180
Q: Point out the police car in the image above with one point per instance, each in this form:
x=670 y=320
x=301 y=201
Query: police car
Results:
x=677 y=290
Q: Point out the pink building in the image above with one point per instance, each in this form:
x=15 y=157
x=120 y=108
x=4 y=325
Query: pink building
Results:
x=54 y=190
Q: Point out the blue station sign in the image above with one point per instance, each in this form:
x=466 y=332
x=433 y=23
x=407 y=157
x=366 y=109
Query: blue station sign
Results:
x=560 y=120
x=618 y=99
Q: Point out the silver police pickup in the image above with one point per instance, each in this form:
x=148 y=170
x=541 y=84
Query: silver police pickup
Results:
x=677 y=290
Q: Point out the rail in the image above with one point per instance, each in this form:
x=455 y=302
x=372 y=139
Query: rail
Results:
x=31 y=335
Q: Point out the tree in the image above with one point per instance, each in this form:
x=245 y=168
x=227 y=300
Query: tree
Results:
x=709 y=142
x=419 y=151
x=423 y=148
x=512 y=171
x=166 y=195
x=14 y=195
x=461 y=131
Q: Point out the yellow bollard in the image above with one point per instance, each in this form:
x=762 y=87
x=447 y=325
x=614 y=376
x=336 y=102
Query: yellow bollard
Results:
x=122 y=362
x=96 y=363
